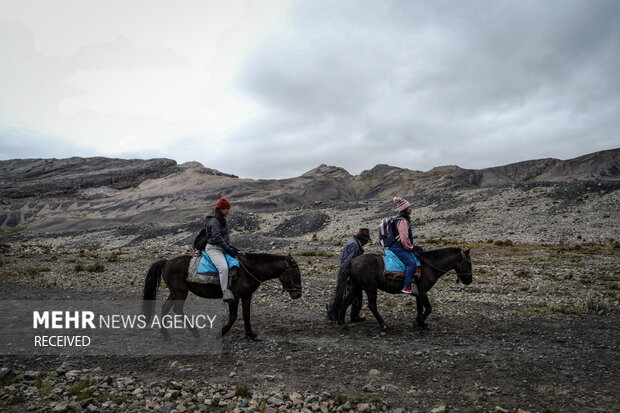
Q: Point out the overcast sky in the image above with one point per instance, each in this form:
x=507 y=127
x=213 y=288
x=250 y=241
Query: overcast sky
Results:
x=271 y=89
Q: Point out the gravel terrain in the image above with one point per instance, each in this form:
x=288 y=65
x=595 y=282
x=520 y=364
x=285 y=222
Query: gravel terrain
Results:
x=536 y=331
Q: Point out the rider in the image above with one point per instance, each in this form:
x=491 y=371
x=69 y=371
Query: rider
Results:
x=218 y=243
x=403 y=247
x=354 y=248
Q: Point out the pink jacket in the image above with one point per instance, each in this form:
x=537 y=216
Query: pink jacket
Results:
x=403 y=230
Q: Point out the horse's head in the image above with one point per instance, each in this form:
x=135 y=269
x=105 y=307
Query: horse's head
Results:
x=291 y=278
x=463 y=268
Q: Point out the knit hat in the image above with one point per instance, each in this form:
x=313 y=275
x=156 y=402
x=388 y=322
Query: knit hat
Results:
x=222 y=203
x=401 y=203
x=363 y=233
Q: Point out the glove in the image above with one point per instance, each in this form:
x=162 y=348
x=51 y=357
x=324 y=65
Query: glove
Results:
x=232 y=251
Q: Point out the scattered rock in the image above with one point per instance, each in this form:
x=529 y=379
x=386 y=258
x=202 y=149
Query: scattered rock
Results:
x=442 y=408
x=363 y=408
x=371 y=388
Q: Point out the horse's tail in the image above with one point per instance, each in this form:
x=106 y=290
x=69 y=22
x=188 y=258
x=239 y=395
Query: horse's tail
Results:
x=340 y=297
x=150 y=288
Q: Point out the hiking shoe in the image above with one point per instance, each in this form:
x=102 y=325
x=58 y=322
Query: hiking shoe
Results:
x=406 y=290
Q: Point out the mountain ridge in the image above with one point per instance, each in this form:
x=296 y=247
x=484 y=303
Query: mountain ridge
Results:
x=65 y=194
x=24 y=178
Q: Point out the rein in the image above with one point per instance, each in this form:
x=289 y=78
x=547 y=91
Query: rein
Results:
x=459 y=274
x=267 y=285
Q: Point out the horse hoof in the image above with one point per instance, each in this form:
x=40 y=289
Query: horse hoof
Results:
x=384 y=327
x=252 y=337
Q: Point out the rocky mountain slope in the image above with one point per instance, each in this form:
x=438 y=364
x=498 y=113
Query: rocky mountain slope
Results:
x=48 y=177
x=134 y=200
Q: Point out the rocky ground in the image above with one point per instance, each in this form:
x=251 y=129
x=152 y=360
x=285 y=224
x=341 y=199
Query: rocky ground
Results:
x=536 y=331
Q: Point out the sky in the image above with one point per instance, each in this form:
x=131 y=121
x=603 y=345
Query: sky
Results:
x=272 y=89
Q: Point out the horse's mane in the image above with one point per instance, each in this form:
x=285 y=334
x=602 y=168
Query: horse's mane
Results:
x=260 y=258
x=438 y=252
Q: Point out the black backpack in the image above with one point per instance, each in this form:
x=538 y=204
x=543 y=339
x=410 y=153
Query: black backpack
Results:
x=200 y=242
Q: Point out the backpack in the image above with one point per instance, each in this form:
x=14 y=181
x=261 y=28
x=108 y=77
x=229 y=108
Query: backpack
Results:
x=388 y=233
x=200 y=242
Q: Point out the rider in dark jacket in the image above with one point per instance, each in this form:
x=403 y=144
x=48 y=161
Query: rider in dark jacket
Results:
x=218 y=243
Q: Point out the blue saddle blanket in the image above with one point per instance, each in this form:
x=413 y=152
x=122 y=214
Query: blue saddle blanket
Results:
x=392 y=263
x=207 y=266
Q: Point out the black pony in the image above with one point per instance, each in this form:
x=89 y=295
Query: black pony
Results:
x=367 y=273
x=254 y=269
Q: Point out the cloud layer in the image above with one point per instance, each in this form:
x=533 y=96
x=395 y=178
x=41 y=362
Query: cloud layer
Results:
x=353 y=84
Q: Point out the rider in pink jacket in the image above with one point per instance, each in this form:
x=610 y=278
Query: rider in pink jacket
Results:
x=403 y=247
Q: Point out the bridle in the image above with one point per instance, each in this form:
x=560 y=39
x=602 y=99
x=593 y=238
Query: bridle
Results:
x=459 y=274
x=283 y=290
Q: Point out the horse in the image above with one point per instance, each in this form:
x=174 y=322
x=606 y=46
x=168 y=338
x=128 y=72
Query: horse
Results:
x=367 y=273
x=253 y=270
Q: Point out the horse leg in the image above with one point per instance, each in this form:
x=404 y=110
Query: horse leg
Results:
x=419 y=321
x=427 y=307
x=351 y=295
x=164 y=310
x=178 y=309
x=424 y=309
x=246 y=302
x=372 y=304
x=356 y=307
x=232 y=316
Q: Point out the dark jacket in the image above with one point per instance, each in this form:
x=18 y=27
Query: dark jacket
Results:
x=217 y=230
x=351 y=250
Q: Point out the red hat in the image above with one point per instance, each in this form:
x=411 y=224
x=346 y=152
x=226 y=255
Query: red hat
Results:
x=222 y=203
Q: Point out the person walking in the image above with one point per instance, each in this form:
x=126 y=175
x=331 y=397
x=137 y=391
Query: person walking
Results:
x=354 y=248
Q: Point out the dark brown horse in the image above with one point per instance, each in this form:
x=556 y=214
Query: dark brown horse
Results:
x=254 y=269
x=367 y=273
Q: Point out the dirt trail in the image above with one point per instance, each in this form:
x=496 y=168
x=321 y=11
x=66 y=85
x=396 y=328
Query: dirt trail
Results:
x=536 y=330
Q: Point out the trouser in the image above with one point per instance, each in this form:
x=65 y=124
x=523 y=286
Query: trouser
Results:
x=408 y=258
x=219 y=260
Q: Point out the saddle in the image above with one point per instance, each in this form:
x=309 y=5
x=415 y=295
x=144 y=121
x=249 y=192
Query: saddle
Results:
x=202 y=270
x=394 y=268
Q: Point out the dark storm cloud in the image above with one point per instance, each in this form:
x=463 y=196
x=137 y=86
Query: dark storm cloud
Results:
x=422 y=84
